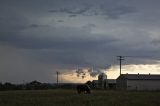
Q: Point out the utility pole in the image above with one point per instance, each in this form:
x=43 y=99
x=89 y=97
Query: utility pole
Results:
x=120 y=58
x=57 y=76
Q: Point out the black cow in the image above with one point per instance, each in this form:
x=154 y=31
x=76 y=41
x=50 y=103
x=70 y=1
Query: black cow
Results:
x=83 y=88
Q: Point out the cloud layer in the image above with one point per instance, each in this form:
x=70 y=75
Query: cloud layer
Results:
x=38 y=38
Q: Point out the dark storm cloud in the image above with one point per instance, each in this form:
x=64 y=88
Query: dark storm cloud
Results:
x=113 y=11
x=41 y=37
x=156 y=41
x=72 y=11
x=59 y=43
x=73 y=51
x=24 y=41
x=36 y=26
x=60 y=21
x=12 y=22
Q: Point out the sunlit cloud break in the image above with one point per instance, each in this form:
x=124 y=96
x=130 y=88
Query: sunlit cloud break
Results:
x=111 y=72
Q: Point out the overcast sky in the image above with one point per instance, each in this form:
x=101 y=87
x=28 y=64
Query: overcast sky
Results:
x=40 y=37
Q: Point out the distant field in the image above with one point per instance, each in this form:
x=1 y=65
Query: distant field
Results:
x=61 y=97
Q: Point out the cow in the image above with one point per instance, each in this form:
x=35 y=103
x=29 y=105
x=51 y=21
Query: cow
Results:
x=84 y=88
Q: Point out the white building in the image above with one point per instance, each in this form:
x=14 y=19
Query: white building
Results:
x=138 y=82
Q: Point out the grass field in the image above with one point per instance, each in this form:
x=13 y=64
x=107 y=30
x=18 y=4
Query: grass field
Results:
x=61 y=97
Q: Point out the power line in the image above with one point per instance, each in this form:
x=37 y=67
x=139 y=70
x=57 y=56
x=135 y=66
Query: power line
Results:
x=121 y=58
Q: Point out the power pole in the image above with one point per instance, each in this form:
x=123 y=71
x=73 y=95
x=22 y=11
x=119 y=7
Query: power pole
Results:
x=57 y=76
x=120 y=58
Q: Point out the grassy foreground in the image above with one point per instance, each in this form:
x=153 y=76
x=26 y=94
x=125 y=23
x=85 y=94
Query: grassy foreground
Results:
x=61 y=97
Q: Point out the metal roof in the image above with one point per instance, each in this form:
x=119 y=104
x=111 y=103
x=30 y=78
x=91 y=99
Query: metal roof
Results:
x=140 y=76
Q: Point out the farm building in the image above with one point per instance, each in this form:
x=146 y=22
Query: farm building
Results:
x=103 y=82
x=138 y=82
x=111 y=83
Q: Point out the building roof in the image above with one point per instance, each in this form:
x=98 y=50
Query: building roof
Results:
x=111 y=80
x=95 y=81
x=108 y=80
x=139 y=77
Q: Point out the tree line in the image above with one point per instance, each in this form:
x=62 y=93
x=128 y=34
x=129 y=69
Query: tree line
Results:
x=33 y=85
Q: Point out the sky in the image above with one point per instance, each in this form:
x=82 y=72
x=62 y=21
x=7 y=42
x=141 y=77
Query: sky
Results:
x=40 y=37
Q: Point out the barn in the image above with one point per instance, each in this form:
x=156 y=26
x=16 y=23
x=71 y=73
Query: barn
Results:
x=138 y=82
